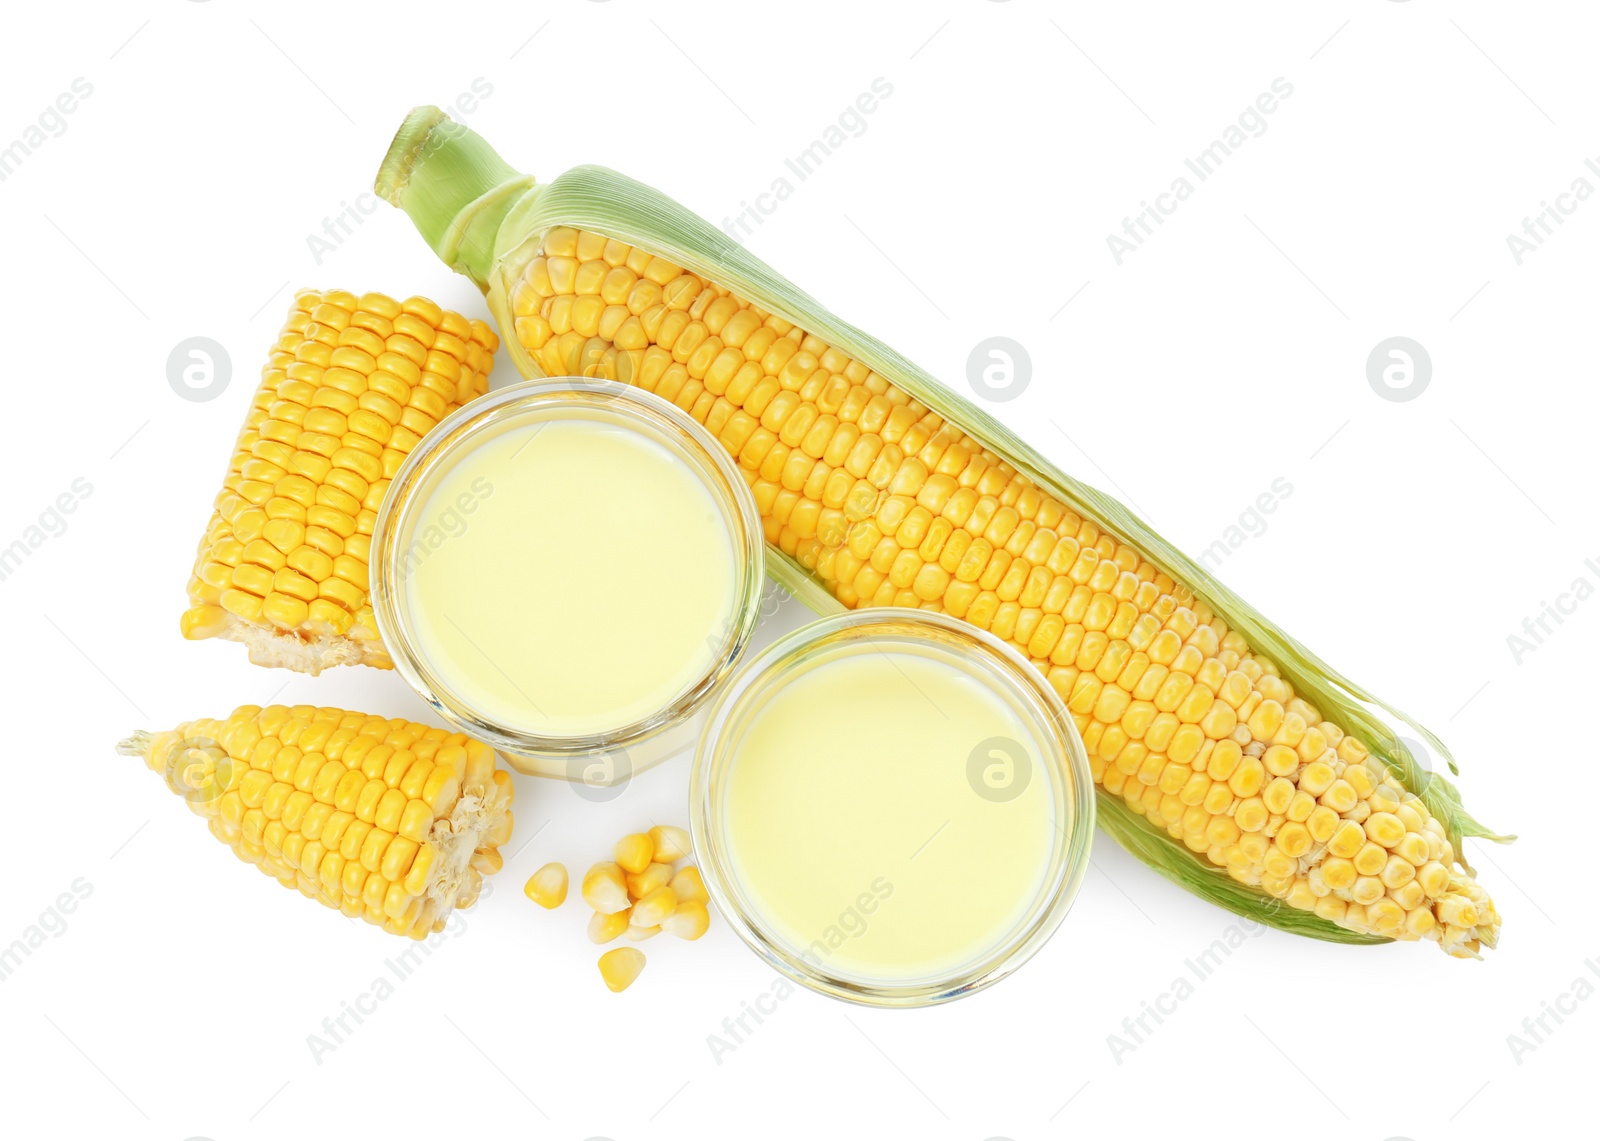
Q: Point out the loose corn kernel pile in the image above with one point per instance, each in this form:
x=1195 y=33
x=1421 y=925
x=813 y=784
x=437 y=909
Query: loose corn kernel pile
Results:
x=350 y=387
x=891 y=505
x=388 y=820
x=640 y=894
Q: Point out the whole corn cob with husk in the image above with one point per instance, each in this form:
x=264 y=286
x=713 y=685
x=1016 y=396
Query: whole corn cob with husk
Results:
x=1230 y=757
x=388 y=820
x=348 y=389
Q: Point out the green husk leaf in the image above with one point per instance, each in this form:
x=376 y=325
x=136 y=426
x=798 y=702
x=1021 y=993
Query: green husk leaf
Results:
x=598 y=199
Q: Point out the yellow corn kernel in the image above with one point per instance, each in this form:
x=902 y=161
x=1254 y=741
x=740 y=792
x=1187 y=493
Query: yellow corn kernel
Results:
x=1409 y=896
x=1277 y=795
x=1338 y=873
x=1366 y=889
x=604 y=928
x=1340 y=796
x=1280 y=760
x=1420 y=921
x=689 y=887
x=1370 y=859
x=548 y=886
x=688 y=920
x=1247 y=779
x=1347 y=839
x=619 y=968
x=1385 y=798
x=634 y=853
x=671 y=844
x=1316 y=778
x=1278 y=864
x=652 y=908
x=1386 y=916
x=1294 y=840
x=1321 y=823
x=1301 y=896
x=1457 y=911
x=605 y=889
x=1385 y=828
x=1434 y=878
x=1251 y=815
x=653 y=877
x=1397 y=872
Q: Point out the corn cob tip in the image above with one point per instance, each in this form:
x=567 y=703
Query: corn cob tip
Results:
x=395 y=171
x=136 y=745
x=453 y=185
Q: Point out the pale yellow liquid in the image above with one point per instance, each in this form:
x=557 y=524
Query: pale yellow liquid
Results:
x=591 y=584
x=853 y=828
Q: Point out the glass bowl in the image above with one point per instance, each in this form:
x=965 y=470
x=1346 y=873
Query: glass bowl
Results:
x=482 y=677
x=851 y=771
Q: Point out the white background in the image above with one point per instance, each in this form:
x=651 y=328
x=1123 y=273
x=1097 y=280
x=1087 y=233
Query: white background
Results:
x=1227 y=352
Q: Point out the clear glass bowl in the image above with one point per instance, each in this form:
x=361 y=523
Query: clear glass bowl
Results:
x=599 y=758
x=1057 y=754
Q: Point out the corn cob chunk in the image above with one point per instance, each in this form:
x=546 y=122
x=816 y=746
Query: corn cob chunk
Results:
x=348 y=389
x=387 y=820
x=888 y=504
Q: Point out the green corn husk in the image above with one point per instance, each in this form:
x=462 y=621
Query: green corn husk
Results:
x=487 y=221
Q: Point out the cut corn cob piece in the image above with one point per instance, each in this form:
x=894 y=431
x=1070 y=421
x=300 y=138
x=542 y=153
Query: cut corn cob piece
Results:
x=348 y=389
x=1230 y=758
x=387 y=820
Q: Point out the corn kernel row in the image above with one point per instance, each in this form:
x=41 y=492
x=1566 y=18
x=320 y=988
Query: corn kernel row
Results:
x=889 y=504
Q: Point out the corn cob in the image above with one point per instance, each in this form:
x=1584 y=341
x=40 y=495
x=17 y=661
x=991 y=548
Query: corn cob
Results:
x=1229 y=757
x=387 y=820
x=348 y=389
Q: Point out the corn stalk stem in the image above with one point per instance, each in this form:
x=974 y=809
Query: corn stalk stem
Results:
x=453 y=186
